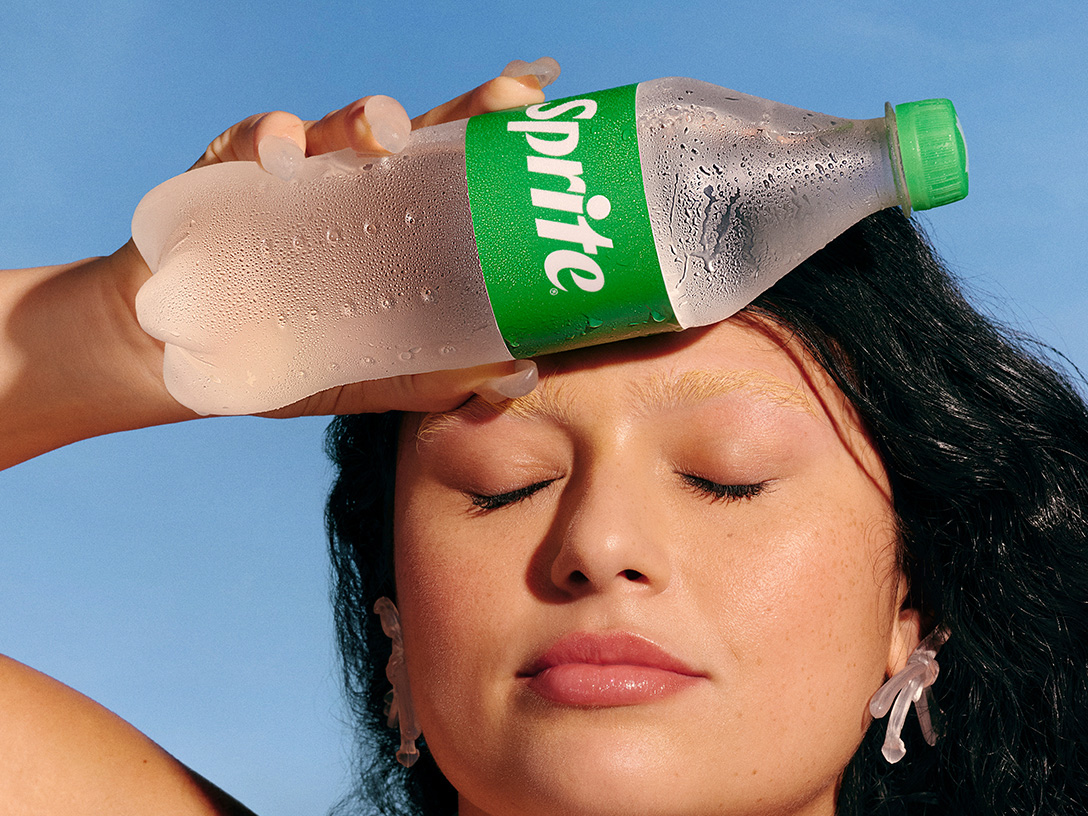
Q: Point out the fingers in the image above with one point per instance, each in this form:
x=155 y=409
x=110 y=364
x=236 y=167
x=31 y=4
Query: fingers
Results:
x=240 y=142
x=520 y=83
x=433 y=391
x=372 y=125
x=500 y=93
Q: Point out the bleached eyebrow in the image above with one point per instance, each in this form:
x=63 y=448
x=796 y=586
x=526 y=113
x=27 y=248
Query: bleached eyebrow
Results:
x=547 y=401
x=663 y=392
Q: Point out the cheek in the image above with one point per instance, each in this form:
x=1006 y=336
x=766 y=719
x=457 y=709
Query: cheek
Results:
x=459 y=623
x=806 y=601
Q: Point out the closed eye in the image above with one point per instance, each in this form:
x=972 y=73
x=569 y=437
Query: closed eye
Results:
x=499 y=500
x=726 y=492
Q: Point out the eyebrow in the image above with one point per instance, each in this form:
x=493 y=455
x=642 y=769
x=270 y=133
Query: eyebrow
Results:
x=663 y=392
x=547 y=401
x=667 y=392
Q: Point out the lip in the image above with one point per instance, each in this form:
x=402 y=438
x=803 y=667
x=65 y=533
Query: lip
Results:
x=607 y=669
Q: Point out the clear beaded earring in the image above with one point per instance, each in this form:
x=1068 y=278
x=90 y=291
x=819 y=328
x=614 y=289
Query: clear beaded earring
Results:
x=912 y=684
x=398 y=702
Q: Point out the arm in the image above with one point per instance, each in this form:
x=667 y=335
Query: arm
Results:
x=65 y=754
x=74 y=362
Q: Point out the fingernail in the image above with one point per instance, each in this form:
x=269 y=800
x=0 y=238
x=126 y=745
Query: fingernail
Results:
x=544 y=69
x=389 y=123
x=280 y=156
x=511 y=386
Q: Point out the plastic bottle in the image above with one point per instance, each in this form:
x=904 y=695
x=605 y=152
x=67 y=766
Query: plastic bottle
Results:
x=652 y=207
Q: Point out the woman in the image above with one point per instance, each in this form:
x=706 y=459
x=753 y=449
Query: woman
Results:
x=933 y=474
x=671 y=578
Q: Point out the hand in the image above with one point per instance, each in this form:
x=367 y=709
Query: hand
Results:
x=74 y=362
x=378 y=125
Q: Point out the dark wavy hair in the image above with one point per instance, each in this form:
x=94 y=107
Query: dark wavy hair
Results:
x=986 y=446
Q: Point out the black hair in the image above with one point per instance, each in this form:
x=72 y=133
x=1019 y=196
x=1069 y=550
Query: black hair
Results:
x=986 y=447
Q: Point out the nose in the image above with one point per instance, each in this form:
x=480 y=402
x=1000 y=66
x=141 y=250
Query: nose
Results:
x=610 y=536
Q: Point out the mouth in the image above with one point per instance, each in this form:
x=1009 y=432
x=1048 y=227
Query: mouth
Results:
x=607 y=669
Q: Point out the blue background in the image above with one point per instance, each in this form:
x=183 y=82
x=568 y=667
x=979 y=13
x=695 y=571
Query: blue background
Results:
x=178 y=574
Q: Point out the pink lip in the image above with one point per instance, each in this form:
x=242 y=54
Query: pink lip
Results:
x=607 y=669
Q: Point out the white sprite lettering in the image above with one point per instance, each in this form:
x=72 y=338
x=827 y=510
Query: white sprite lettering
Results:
x=580 y=233
x=589 y=109
x=549 y=147
x=585 y=272
x=564 y=168
x=562 y=259
x=551 y=200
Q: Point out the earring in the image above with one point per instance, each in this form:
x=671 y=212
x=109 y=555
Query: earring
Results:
x=398 y=702
x=912 y=684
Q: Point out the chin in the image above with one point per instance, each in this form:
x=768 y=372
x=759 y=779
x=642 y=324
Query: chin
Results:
x=600 y=771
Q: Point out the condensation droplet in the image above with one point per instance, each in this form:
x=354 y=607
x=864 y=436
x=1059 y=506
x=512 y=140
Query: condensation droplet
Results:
x=594 y=323
x=426 y=295
x=370 y=228
x=333 y=235
x=447 y=349
x=368 y=360
x=409 y=218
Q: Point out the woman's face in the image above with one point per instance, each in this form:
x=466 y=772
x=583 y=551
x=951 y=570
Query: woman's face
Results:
x=664 y=582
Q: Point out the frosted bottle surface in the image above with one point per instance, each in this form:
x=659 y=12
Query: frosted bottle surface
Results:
x=741 y=189
x=639 y=209
x=266 y=291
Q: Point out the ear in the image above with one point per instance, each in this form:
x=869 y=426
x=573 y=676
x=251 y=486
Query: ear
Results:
x=906 y=632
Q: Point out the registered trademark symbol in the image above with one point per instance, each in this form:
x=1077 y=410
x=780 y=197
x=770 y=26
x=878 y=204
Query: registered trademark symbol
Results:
x=555 y=291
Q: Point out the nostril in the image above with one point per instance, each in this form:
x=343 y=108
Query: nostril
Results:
x=579 y=578
x=634 y=575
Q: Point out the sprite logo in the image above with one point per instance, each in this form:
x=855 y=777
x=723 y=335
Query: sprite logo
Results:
x=559 y=215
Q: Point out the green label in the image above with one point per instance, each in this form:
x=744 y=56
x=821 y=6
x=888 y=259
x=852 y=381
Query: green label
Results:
x=561 y=225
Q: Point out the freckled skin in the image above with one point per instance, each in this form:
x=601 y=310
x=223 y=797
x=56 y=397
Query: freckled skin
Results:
x=786 y=600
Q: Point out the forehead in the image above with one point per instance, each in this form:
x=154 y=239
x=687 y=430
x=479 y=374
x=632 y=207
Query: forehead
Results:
x=744 y=356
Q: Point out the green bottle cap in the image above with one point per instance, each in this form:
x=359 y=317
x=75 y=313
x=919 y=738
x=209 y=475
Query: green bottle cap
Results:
x=933 y=152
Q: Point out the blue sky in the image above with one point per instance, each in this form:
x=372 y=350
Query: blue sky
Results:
x=178 y=574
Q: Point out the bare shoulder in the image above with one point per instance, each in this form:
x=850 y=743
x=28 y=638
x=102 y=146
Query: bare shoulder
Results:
x=63 y=753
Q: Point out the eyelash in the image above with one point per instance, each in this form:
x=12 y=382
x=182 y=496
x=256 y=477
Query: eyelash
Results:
x=724 y=492
x=499 y=500
x=717 y=492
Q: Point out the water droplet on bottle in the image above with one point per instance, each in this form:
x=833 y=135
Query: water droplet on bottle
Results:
x=656 y=316
x=312 y=314
x=368 y=360
x=447 y=349
x=386 y=303
x=594 y=323
x=370 y=228
x=405 y=355
x=332 y=235
x=281 y=321
x=409 y=218
x=426 y=295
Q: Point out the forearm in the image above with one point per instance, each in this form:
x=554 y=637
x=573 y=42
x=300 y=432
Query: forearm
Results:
x=73 y=360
